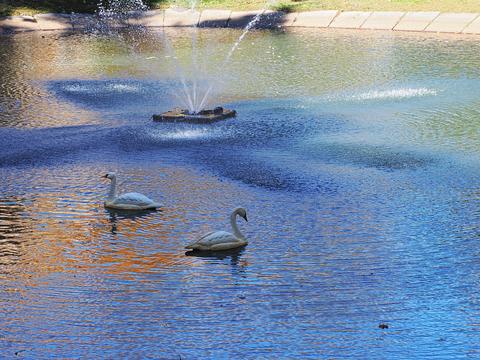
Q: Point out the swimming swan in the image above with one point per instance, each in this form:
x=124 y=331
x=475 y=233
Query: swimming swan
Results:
x=129 y=201
x=222 y=240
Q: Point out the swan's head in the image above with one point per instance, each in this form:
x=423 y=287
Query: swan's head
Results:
x=110 y=176
x=241 y=212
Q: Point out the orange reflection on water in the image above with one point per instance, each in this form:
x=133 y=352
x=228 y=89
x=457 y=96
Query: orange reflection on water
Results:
x=126 y=261
x=56 y=239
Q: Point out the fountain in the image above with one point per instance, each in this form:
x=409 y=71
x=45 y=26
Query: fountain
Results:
x=200 y=117
x=196 y=111
x=194 y=103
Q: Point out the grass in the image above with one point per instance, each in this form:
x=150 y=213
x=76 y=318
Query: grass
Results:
x=362 y=5
x=31 y=7
x=7 y=10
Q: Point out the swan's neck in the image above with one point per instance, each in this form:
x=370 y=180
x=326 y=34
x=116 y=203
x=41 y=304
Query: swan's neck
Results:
x=233 y=222
x=113 y=189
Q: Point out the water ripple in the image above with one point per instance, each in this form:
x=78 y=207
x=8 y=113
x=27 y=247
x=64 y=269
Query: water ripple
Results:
x=355 y=154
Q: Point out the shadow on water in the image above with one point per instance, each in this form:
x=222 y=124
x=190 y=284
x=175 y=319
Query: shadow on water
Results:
x=27 y=146
x=111 y=93
x=234 y=255
x=374 y=156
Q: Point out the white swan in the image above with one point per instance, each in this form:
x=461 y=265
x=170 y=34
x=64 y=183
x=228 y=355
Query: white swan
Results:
x=128 y=201
x=222 y=240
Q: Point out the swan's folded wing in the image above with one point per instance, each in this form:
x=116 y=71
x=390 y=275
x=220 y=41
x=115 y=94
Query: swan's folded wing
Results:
x=218 y=237
x=205 y=236
x=212 y=238
x=198 y=243
x=134 y=199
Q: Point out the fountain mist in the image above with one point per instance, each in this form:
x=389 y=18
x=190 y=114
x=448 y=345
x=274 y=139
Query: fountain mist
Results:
x=192 y=96
x=196 y=100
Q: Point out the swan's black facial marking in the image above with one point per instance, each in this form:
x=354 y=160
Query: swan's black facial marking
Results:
x=243 y=214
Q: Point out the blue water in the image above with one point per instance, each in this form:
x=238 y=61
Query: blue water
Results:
x=356 y=156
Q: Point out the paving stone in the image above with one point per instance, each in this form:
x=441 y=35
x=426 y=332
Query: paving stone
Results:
x=152 y=18
x=315 y=18
x=18 y=23
x=451 y=22
x=181 y=17
x=214 y=18
x=474 y=27
x=383 y=20
x=240 y=19
x=270 y=20
x=288 y=19
x=83 y=21
x=54 y=22
x=350 y=19
x=468 y=23
x=416 y=21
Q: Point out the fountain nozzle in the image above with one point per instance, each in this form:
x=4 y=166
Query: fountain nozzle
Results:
x=199 y=117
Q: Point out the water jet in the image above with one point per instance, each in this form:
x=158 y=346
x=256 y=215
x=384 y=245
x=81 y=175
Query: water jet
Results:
x=193 y=100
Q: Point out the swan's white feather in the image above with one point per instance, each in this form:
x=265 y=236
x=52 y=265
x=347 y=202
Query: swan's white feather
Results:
x=222 y=240
x=217 y=240
x=217 y=237
x=128 y=201
x=132 y=198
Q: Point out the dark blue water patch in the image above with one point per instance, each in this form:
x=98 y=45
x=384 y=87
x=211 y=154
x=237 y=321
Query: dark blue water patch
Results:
x=116 y=94
x=259 y=147
x=31 y=146
x=243 y=165
x=266 y=157
x=261 y=126
x=365 y=155
x=251 y=127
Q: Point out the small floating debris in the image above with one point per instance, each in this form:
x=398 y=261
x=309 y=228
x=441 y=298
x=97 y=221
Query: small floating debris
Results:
x=201 y=117
x=383 y=326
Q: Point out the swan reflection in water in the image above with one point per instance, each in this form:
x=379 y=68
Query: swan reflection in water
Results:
x=116 y=215
x=234 y=255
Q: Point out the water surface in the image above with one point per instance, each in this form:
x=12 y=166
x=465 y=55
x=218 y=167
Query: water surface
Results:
x=356 y=155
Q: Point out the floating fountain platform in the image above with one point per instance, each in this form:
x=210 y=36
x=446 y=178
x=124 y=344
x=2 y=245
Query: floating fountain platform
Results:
x=201 y=117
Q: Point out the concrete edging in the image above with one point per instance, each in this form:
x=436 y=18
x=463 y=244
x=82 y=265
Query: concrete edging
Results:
x=465 y=23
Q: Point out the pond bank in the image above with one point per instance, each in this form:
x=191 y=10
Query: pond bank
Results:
x=460 y=23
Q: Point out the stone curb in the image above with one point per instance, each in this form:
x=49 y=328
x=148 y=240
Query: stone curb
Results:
x=416 y=21
x=465 y=23
x=383 y=20
x=214 y=18
x=350 y=19
x=314 y=18
x=451 y=22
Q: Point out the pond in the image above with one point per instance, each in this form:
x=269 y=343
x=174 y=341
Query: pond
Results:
x=356 y=155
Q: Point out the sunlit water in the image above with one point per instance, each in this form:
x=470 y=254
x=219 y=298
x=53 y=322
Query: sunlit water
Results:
x=357 y=156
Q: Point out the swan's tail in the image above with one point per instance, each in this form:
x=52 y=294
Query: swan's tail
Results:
x=192 y=246
x=154 y=206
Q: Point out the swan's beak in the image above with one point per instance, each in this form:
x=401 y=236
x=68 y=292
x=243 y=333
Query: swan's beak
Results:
x=105 y=176
x=245 y=217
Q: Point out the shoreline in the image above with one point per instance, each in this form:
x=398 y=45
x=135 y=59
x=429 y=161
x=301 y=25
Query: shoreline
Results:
x=426 y=22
